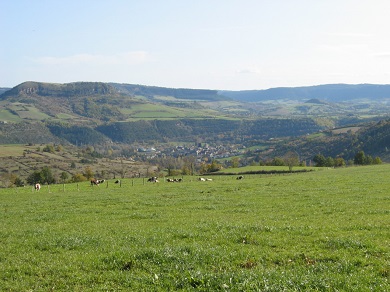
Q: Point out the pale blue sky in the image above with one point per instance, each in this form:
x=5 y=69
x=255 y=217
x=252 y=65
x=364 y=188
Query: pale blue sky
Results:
x=211 y=44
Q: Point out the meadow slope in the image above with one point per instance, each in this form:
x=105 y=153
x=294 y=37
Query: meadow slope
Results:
x=325 y=230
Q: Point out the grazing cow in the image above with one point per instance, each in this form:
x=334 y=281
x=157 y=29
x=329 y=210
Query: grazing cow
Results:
x=174 y=180
x=153 y=179
x=202 y=179
x=37 y=187
x=96 y=182
x=240 y=177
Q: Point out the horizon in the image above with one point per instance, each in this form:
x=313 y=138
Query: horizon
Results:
x=220 y=45
x=279 y=87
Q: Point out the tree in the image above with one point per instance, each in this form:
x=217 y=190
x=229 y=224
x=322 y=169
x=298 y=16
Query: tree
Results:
x=47 y=175
x=319 y=160
x=369 y=160
x=64 y=176
x=277 y=161
x=78 y=177
x=11 y=179
x=235 y=162
x=329 y=162
x=214 y=166
x=185 y=170
x=291 y=159
x=377 y=160
x=88 y=173
x=339 y=162
x=360 y=158
x=18 y=182
x=35 y=177
x=203 y=168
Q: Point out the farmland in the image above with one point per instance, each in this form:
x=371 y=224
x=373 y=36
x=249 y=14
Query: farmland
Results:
x=325 y=230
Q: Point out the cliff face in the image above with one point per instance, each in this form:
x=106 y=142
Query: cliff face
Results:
x=60 y=90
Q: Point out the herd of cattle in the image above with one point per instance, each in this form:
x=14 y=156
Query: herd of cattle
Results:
x=153 y=179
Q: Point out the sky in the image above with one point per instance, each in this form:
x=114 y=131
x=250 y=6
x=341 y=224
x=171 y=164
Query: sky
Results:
x=200 y=44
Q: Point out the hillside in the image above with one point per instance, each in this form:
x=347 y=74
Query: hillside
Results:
x=180 y=93
x=372 y=138
x=23 y=160
x=96 y=103
x=328 y=92
x=95 y=113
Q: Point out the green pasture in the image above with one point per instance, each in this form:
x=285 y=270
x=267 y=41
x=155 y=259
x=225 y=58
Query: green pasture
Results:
x=14 y=149
x=64 y=116
x=7 y=116
x=324 y=230
x=27 y=111
x=158 y=111
x=151 y=110
x=256 y=168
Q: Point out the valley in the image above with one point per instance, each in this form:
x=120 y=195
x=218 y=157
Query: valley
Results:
x=183 y=125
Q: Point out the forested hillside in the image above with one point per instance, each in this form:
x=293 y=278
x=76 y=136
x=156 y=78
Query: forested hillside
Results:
x=372 y=138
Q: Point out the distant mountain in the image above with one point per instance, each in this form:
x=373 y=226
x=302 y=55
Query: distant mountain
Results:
x=99 y=102
x=330 y=92
x=3 y=89
x=178 y=93
x=75 y=89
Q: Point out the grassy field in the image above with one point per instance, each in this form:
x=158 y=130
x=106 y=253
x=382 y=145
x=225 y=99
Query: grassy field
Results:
x=158 y=111
x=317 y=231
x=256 y=168
x=14 y=149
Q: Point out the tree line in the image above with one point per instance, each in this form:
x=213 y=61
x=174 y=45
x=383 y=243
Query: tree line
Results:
x=360 y=159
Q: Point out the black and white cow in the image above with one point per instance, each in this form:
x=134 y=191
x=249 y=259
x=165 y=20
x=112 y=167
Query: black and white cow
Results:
x=174 y=180
x=153 y=179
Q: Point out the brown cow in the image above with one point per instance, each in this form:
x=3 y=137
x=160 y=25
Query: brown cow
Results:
x=96 y=182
